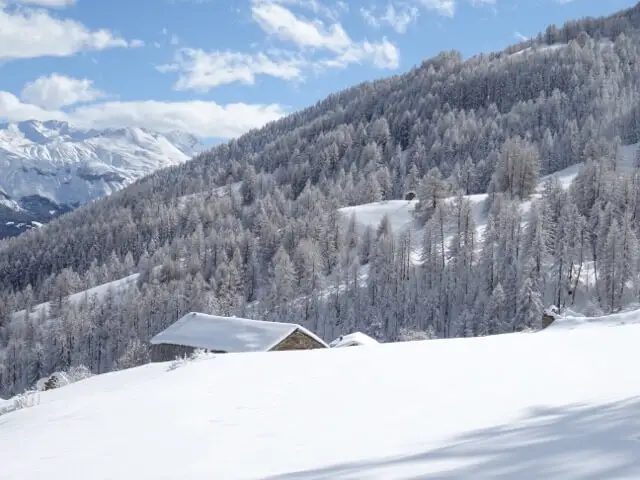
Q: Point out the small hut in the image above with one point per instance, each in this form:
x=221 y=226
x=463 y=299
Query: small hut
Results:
x=549 y=316
x=229 y=335
x=410 y=195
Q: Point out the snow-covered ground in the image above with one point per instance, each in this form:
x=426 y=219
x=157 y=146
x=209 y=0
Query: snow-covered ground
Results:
x=118 y=287
x=540 y=49
x=561 y=404
x=573 y=320
x=602 y=43
x=218 y=192
x=356 y=339
x=401 y=217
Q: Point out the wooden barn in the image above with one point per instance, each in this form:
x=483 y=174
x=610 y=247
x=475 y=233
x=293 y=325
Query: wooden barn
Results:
x=229 y=335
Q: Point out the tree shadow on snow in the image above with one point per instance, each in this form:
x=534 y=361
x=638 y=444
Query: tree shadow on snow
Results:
x=585 y=442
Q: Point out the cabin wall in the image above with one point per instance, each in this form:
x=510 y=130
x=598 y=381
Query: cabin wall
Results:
x=298 y=340
x=165 y=352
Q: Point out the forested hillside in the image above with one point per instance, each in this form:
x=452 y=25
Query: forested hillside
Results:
x=252 y=227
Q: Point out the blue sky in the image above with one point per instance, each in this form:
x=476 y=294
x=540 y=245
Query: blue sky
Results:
x=217 y=68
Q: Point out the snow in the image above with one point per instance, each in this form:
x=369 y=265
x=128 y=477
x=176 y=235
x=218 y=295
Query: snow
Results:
x=539 y=49
x=227 y=334
x=217 y=192
x=70 y=166
x=400 y=212
x=9 y=203
x=118 y=287
x=521 y=406
x=574 y=320
x=352 y=340
x=566 y=176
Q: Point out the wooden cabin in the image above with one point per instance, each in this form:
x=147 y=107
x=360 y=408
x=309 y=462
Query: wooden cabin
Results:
x=229 y=335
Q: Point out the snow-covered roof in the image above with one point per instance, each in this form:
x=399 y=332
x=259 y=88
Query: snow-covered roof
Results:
x=552 y=311
x=353 y=339
x=227 y=334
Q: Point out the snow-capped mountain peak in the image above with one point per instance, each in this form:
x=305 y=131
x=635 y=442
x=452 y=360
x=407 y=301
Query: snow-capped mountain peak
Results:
x=63 y=166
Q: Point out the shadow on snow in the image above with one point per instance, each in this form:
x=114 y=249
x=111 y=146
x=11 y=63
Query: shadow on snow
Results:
x=586 y=442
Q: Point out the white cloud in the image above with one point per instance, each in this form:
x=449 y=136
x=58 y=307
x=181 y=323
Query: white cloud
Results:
x=278 y=21
x=48 y=3
x=13 y=110
x=443 y=7
x=332 y=12
x=56 y=91
x=397 y=17
x=204 y=119
x=369 y=17
x=201 y=71
x=381 y=54
x=29 y=33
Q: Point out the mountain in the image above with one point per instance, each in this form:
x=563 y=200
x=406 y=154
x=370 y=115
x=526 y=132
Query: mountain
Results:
x=51 y=167
x=524 y=164
x=561 y=403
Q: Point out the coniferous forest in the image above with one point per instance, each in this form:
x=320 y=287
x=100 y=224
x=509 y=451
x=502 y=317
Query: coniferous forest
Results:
x=253 y=227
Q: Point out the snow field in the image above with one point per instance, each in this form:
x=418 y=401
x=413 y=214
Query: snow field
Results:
x=523 y=406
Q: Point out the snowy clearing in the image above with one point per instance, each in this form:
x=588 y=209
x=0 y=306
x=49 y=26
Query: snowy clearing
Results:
x=217 y=192
x=401 y=217
x=528 y=406
x=118 y=287
x=539 y=49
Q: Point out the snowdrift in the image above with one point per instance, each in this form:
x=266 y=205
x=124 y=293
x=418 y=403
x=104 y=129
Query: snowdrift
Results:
x=573 y=320
x=520 y=406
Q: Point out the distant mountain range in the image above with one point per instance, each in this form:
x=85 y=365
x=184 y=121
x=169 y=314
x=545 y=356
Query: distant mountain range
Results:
x=49 y=168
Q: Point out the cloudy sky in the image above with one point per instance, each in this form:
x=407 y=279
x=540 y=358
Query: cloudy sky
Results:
x=217 y=68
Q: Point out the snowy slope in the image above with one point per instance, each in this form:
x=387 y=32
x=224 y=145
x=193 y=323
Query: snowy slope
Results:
x=539 y=49
x=401 y=217
x=118 y=288
x=544 y=48
x=573 y=320
x=400 y=212
x=48 y=165
x=522 y=406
